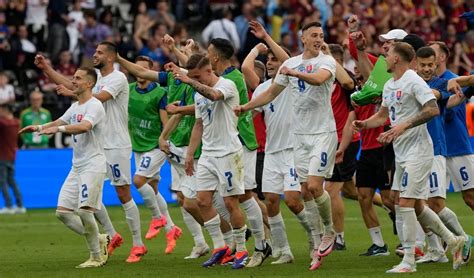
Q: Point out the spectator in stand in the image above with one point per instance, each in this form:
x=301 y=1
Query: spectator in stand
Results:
x=22 y=48
x=247 y=39
x=142 y=18
x=36 y=21
x=57 y=35
x=35 y=115
x=7 y=92
x=153 y=47
x=164 y=15
x=9 y=127
x=94 y=32
x=76 y=22
x=15 y=12
x=222 y=27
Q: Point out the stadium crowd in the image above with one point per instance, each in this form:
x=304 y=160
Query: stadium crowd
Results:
x=343 y=44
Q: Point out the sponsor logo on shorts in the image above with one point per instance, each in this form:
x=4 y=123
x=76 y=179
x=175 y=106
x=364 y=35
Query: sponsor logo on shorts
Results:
x=293 y=184
x=433 y=191
x=465 y=184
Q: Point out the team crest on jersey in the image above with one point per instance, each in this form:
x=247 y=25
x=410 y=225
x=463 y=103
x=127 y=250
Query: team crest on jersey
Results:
x=79 y=117
x=309 y=68
x=399 y=95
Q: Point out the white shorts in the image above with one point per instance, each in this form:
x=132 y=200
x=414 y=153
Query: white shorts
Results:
x=224 y=174
x=82 y=190
x=250 y=166
x=315 y=155
x=118 y=166
x=437 y=180
x=279 y=174
x=148 y=164
x=461 y=171
x=182 y=182
x=411 y=179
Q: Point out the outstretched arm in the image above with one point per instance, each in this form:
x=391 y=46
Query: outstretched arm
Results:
x=137 y=70
x=55 y=76
x=265 y=97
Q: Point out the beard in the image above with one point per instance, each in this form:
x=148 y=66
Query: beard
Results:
x=99 y=65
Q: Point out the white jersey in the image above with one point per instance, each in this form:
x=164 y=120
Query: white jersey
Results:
x=404 y=99
x=116 y=133
x=220 y=135
x=278 y=119
x=312 y=104
x=88 y=149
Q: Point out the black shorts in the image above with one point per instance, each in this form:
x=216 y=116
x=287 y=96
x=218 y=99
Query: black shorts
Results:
x=388 y=155
x=370 y=169
x=345 y=170
x=258 y=175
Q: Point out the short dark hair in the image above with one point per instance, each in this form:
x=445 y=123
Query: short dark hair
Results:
x=197 y=61
x=224 y=47
x=442 y=46
x=425 y=52
x=336 y=49
x=90 y=72
x=404 y=50
x=110 y=46
x=311 y=24
x=145 y=59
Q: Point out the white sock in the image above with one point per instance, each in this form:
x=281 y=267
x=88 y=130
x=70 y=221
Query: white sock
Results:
x=420 y=236
x=149 y=198
x=194 y=228
x=314 y=221
x=340 y=238
x=324 y=208
x=91 y=231
x=164 y=210
x=133 y=220
x=239 y=236
x=213 y=228
x=218 y=203
x=399 y=223
x=71 y=220
x=254 y=216
x=430 y=220
x=451 y=221
x=409 y=232
x=103 y=217
x=278 y=232
x=229 y=238
x=433 y=242
x=376 y=236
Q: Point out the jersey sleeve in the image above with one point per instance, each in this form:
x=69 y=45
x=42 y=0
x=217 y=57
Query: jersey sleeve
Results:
x=257 y=92
x=115 y=87
x=328 y=63
x=163 y=102
x=163 y=78
x=197 y=111
x=282 y=79
x=385 y=94
x=227 y=88
x=423 y=92
x=95 y=114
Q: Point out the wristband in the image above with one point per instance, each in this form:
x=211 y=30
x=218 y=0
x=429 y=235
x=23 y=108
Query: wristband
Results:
x=254 y=51
x=61 y=128
x=39 y=128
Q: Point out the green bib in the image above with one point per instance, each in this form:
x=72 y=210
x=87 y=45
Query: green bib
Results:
x=373 y=87
x=29 y=117
x=144 y=122
x=245 y=122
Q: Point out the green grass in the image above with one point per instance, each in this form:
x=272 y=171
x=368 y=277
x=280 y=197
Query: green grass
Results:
x=38 y=245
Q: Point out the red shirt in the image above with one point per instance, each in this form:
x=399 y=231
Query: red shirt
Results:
x=340 y=102
x=260 y=129
x=369 y=136
x=8 y=138
x=353 y=52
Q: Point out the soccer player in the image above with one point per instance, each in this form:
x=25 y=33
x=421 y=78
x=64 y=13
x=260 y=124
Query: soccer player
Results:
x=147 y=116
x=460 y=155
x=344 y=170
x=309 y=77
x=279 y=174
x=426 y=68
x=220 y=167
x=180 y=138
x=219 y=53
x=409 y=103
x=85 y=120
x=113 y=91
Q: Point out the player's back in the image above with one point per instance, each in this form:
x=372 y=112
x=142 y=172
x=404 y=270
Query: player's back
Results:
x=436 y=125
x=88 y=147
x=116 y=109
x=220 y=136
x=278 y=116
x=312 y=104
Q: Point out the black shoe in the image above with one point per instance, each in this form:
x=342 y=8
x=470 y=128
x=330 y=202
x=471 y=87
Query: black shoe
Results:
x=267 y=252
x=392 y=217
x=339 y=246
x=376 y=250
x=248 y=234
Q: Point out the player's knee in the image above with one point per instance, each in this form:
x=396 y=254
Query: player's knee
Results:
x=231 y=204
x=139 y=181
x=293 y=204
x=469 y=200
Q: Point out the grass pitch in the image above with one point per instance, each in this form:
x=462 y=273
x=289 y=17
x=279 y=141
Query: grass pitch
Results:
x=38 y=245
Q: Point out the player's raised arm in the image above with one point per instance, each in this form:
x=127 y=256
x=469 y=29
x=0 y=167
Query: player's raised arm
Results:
x=257 y=29
x=137 y=70
x=204 y=90
x=248 y=67
x=56 y=77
